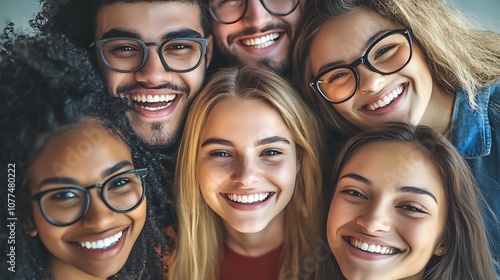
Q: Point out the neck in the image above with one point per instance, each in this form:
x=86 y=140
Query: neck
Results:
x=439 y=110
x=257 y=243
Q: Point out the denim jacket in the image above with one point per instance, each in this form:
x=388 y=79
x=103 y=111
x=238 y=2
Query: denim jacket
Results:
x=476 y=135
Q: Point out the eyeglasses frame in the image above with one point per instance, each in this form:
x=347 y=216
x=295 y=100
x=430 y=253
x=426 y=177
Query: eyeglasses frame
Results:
x=245 y=11
x=362 y=60
x=99 y=43
x=142 y=172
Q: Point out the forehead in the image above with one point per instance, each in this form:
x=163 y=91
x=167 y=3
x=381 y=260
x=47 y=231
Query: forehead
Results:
x=150 y=21
x=394 y=162
x=236 y=116
x=345 y=37
x=79 y=153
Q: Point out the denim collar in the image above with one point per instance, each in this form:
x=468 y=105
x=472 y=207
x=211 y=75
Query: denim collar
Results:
x=470 y=128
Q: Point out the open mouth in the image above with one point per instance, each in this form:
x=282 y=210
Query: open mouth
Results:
x=372 y=248
x=248 y=199
x=262 y=42
x=102 y=243
x=387 y=99
x=154 y=102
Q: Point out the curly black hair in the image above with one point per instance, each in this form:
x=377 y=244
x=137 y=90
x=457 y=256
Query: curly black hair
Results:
x=76 y=18
x=48 y=84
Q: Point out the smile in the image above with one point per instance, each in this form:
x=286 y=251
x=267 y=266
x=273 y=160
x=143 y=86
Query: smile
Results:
x=248 y=199
x=372 y=248
x=103 y=243
x=388 y=99
x=262 y=42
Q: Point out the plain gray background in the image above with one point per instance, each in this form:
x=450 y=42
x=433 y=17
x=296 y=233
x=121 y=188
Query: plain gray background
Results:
x=487 y=12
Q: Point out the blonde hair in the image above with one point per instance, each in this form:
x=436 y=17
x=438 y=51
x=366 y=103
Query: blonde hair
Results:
x=201 y=231
x=459 y=55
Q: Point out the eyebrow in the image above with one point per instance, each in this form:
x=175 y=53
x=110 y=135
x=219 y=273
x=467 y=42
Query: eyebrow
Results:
x=181 y=33
x=367 y=44
x=417 y=190
x=405 y=189
x=71 y=181
x=268 y=140
x=273 y=139
x=116 y=167
x=217 y=141
x=357 y=177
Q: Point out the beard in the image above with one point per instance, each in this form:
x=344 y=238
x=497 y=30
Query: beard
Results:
x=229 y=58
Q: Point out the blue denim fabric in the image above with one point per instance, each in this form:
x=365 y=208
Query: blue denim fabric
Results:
x=476 y=135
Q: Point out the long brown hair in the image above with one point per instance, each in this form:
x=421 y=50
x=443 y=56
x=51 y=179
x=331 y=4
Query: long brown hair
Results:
x=459 y=55
x=467 y=252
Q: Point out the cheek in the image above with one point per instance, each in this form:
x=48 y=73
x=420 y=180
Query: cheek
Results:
x=293 y=20
x=194 y=80
x=284 y=175
x=420 y=70
x=412 y=232
x=138 y=216
x=210 y=177
x=340 y=214
x=333 y=219
x=220 y=32
x=346 y=109
x=112 y=79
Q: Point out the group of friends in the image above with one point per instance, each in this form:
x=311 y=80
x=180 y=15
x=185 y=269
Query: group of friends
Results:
x=252 y=139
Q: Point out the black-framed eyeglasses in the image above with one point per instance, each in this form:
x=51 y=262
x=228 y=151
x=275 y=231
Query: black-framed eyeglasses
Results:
x=64 y=206
x=387 y=55
x=231 y=11
x=127 y=55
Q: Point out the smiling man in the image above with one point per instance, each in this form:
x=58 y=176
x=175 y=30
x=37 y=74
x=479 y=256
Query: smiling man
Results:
x=254 y=32
x=149 y=52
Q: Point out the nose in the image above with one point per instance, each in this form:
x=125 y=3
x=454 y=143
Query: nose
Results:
x=153 y=73
x=99 y=216
x=256 y=15
x=374 y=220
x=369 y=81
x=246 y=172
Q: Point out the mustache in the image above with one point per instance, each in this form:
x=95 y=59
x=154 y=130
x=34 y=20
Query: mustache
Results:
x=251 y=30
x=134 y=87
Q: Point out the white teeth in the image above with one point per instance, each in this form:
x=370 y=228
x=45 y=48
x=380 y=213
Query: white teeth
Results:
x=155 y=108
x=156 y=98
x=247 y=199
x=372 y=248
x=262 y=42
x=103 y=243
x=386 y=100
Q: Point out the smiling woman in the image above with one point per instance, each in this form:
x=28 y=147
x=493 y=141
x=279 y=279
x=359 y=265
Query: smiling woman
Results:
x=248 y=181
x=413 y=216
x=402 y=65
x=82 y=195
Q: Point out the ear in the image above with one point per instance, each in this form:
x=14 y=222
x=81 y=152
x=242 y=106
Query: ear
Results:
x=33 y=232
x=30 y=227
x=208 y=55
x=440 y=250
